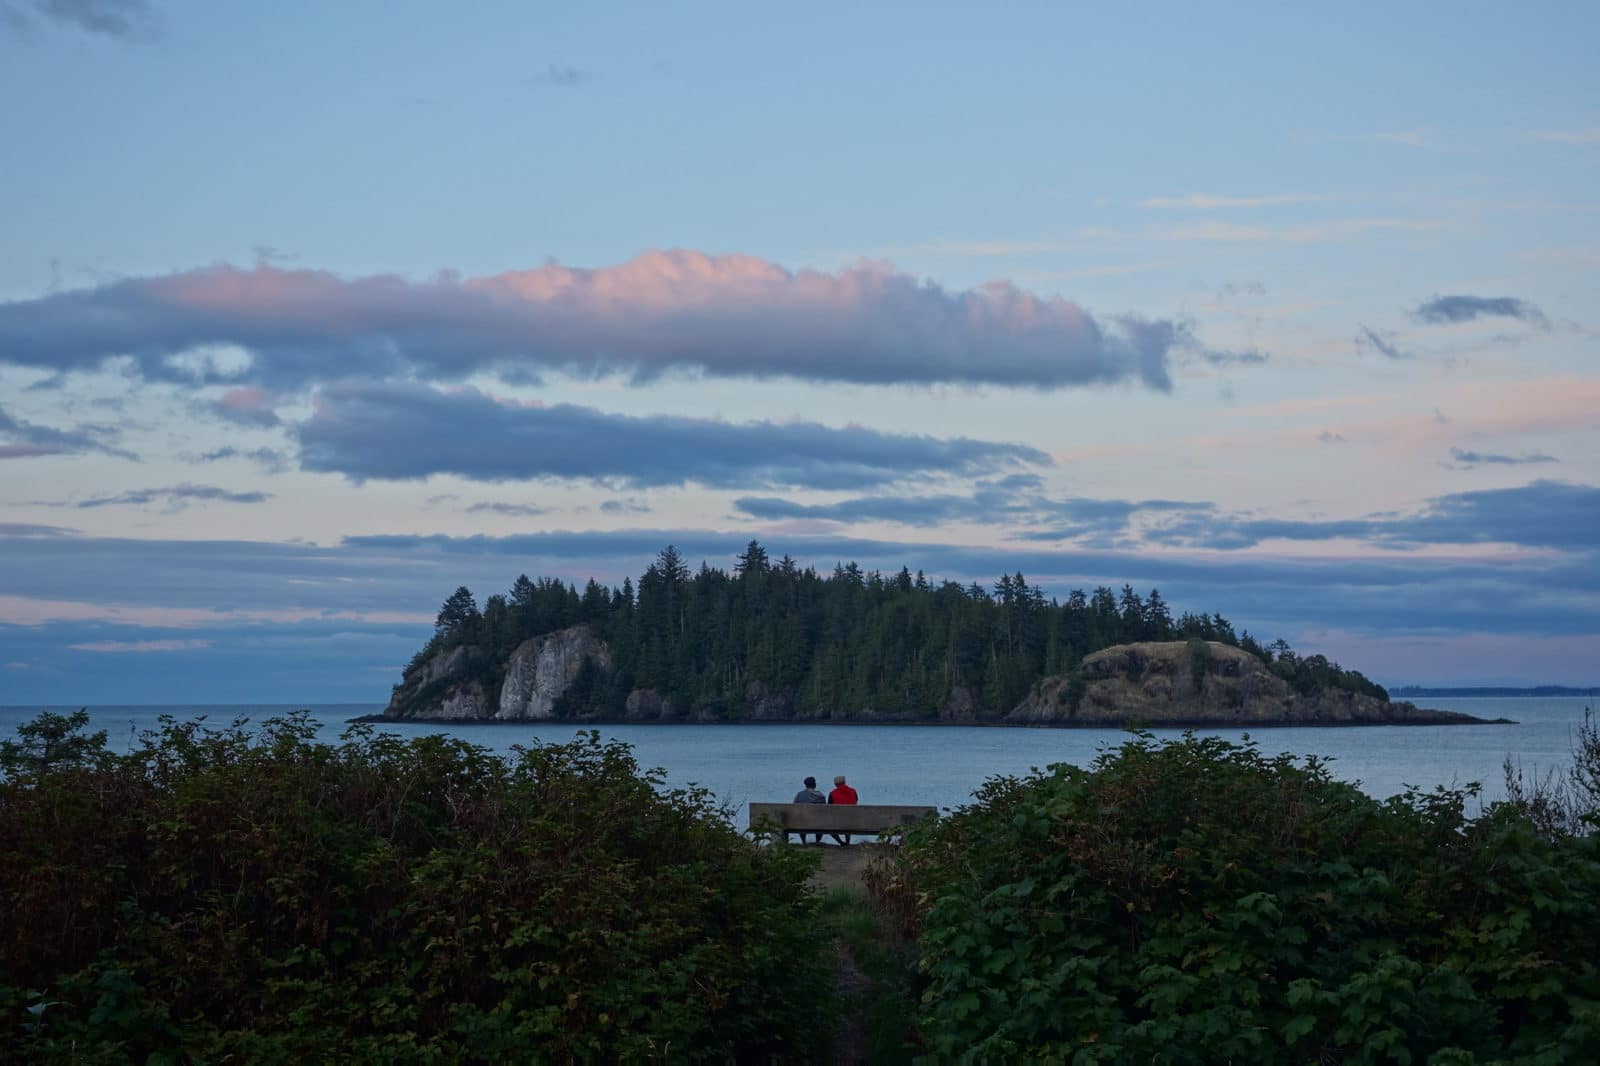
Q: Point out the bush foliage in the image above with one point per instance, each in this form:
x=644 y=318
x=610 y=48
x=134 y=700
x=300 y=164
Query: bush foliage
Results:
x=257 y=895
x=1196 y=901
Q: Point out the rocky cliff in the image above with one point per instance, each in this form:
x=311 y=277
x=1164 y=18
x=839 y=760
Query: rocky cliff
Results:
x=1201 y=683
x=464 y=683
x=544 y=667
x=1194 y=683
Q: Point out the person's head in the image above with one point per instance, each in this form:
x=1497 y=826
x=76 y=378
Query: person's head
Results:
x=839 y=780
x=811 y=782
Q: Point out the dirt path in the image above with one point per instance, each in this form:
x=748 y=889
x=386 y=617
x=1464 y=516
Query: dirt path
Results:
x=850 y=1044
x=843 y=866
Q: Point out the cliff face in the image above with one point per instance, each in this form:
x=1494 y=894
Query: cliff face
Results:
x=1201 y=683
x=457 y=683
x=1155 y=684
x=544 y=667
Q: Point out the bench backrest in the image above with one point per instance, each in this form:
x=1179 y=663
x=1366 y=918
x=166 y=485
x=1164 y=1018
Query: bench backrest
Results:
x=842 y=818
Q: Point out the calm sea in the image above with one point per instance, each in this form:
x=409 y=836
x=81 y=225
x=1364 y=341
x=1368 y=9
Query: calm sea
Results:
x=943 y=765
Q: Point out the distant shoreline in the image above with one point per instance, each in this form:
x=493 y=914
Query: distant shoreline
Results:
x=378 y=719
x=1494 y=692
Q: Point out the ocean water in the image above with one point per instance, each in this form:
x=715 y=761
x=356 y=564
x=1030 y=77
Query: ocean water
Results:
x=942 y=765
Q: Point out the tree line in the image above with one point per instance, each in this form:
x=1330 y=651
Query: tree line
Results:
x=711 y=640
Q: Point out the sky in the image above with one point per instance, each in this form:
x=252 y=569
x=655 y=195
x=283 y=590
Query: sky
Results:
x=310 y=313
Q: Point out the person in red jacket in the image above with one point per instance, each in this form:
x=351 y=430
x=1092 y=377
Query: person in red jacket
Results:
x=842 y=793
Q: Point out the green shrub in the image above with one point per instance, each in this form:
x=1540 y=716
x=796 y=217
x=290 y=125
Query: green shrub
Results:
x=1561 y=803
x=228 y=894
x=1195 y=901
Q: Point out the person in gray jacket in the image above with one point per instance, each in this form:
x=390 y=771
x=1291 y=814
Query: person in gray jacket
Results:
x=809 y=794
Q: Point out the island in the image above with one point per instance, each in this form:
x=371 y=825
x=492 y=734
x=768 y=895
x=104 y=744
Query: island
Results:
x=774 y=642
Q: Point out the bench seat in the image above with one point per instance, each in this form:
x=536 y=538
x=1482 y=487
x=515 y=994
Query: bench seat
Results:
x=861 y=818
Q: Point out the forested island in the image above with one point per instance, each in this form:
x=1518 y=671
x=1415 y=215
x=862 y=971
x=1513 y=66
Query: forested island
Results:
x=774 y=641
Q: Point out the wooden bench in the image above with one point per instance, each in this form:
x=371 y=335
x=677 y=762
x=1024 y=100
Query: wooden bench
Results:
x=866 y=819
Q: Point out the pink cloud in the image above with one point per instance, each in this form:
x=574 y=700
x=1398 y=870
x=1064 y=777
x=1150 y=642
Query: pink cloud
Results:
x=248 y=405
x=664 y=311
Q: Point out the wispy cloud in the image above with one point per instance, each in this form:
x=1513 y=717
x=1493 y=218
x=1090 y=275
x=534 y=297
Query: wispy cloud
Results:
x=245 y=406
x=20 y=439
x=123 y=20
x=724 y=316
x=270 y=460
x=1011 y=502
x=30 y=529
x=1450 y=309
x=175 y=497
x=560 y=76
x=412 y=431
x=1383 y=343
x=1202 y=202
x=1541 y=514
x=519 y=510
x=123 y=647
x=1491 y=458
x=1240 y=358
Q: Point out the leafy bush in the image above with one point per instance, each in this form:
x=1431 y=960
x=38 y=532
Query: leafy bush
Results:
x=1195 y=901
x=258 y=895
x=1562 y=804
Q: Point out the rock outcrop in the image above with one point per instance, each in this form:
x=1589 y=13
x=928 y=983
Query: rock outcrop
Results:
x=1195 y=683
x=460 y=683
x=1201 y=683
x=544 y=667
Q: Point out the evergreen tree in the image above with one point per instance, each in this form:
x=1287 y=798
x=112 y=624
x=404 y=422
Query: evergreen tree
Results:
x=458 y=617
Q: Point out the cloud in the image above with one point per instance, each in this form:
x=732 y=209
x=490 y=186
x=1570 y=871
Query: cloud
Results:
x=675 y=311
x=270 y=460
x=124 y=20
x=560 y=76
x=245 y=406
x=176 y=497
x=1448 y=309
x=30 y=529
x=26 y=440
x=1004 y=502
x=520 y=510
x=1200 y=202
x=139 y=646
x=1224 y=358
x=628 y=506
x=1384 y=343
x=398 y=432
x=1542 y=514
x=1329 y=437
x=1462 y=456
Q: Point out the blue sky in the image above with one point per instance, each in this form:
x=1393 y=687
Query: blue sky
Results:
x=309 y=314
